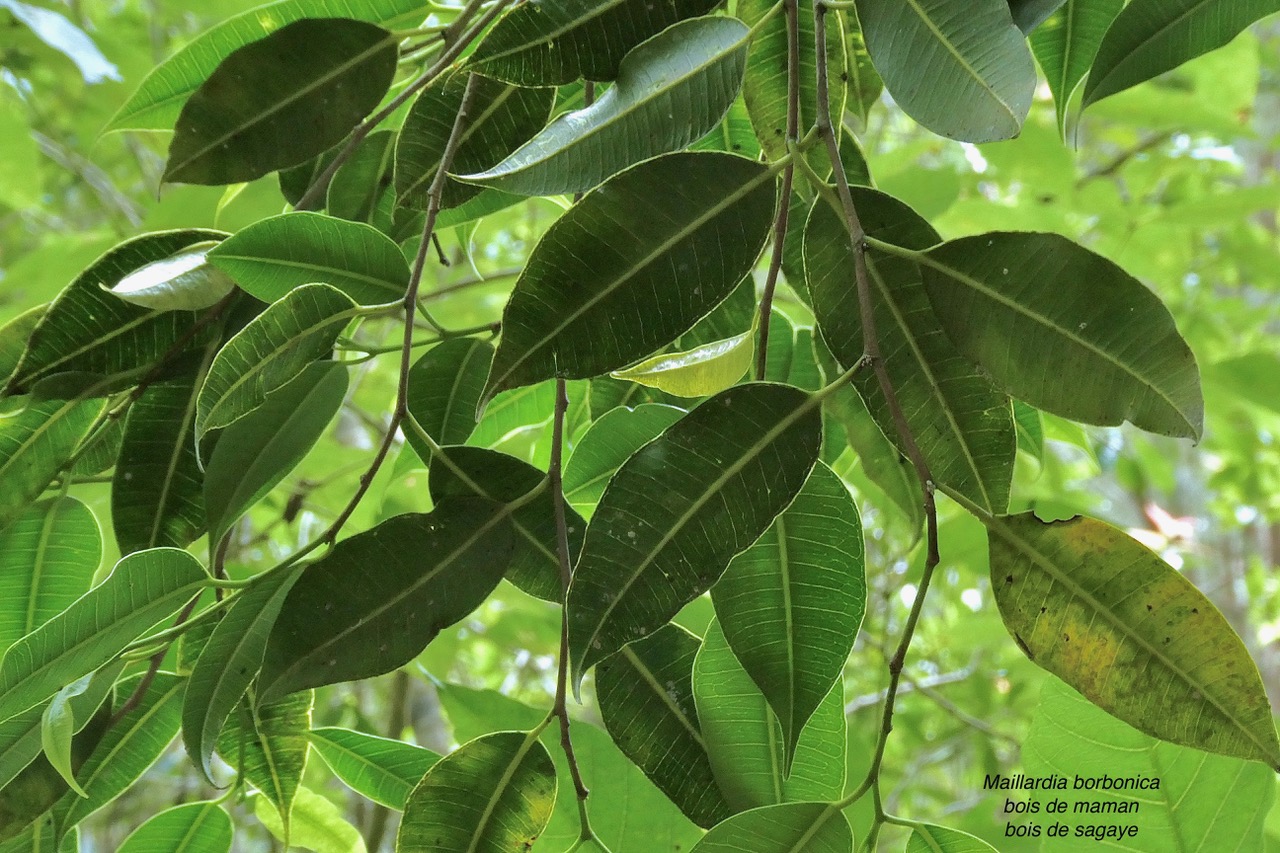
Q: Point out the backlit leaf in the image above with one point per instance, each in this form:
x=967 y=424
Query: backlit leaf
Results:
x=58 y=725
x=275 y=256
x=322 y=74
x=268 y=743
x=556 y=42
x=607 y=444
x=1066 y=44
x=444 y=389
x=790 y=827
x=189 y=828
x=491 y=795
x=1065 y=330
x=698 y=372
x=928 y=838
x=273 y=349
x=959 y=67
x=791 y=604
x=670 y=91
x=668 y=239
x=682 y=507
x=1100 y=611
x=419 y=574
x=314 y=823
x=381 y=769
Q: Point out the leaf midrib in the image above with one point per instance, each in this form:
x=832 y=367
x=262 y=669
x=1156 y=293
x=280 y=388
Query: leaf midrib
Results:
x=597 y=11
x=471 y=129
x=964 y=63
x=339 y=273
x=647 y=675
x=1134 y=54
x=507 y=775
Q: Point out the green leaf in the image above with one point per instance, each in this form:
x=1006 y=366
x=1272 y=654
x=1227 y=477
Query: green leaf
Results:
x=20 y=179
x=645 y=694
x=58 y=726
x=1030 y=430
x=1066 y=44
x=491 y=795
x=360 y=190
x=275 y=256
x=511 y=413
x=273 y=349
x=928 y=838
x=230 y=659
x=606 y=445
x=128 y=748
x=745 y=741
x=961 y=70
x=534 y=564
x=1065 y=330
x=1113 y=620
x=182 y=282
x=87 y=330
x=682 y=507
x=790 y=827
x=159 y=99
x=378 y=768
x=961 y=423
x=432 y=570
x=670 y=91
x=157 y=490
x=48 y=557
x=633 y=247
x=765 y=86
x=142 y=589
x=324 y=75
x=608 y=394
x=1150 y=37
x=699 y=372
x=13 y=340
x=733 y=134
x=1071 y=737
x=791 y=604
x=315 y=824
x=268 y=743
x=1030 y=14
x=444 y=390
x=863 y=86
x=504 y=117
x=259 y=450
x=37 y=441
x=189 y=828
x=553 y=43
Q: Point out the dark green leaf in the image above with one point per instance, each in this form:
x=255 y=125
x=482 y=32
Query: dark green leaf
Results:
x=1100 y=611
x=556 y=42
x=667 y=240
x=534 y=563
x=645 y=693
x=48 y=557
x=670 y=91
x=323 y=75
x=963 y=75
x=1056 y=325
x=444 y=389
x=273 y=349
x=606 y=445
x=182 y=282
x=1150 y=37
x=1029 y=14
x=745 y=741
x=159 y=99
x=143 y=589
x=259 y=450
x=863 y=86
x=361 y=188
x=269 y=744
x=13 y=340
x=492 y=795
x=608 y=394
x=228 y=662
x=431 y=571
x=189 y=828
x=157 y=490
x=505 y=116
x=275 y=256
x=1066 y=45
x=961 y=422
x=682 y=507
x=791 y=604
x=790 y=827
x=381 y=769
x=88 y=330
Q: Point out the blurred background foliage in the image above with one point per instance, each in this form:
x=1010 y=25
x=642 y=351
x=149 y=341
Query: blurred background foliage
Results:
x=1175 y=180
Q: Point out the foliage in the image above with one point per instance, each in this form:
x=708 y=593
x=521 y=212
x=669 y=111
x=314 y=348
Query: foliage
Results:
x=694 y=360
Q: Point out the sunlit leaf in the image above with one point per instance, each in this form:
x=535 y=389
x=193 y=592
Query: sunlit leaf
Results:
x=791 y=604
x=268 y=743
x=381 y=769
x=790 y=827
x=275 y=256
x=1065 y=330
x=668 y=239
x=553 y=43
x=315 y=824
x=491 y=795
x=189 y=828
x=726 y=469
x=698 y=372
x=183 y=282
x=670 y=91
x=324 y=74
x=1097 y=609
x=965 y=74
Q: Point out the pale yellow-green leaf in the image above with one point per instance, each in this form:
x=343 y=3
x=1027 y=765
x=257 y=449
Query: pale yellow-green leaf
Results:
x=706 y=369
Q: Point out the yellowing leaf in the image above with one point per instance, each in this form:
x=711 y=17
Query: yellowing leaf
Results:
x=703 y=370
